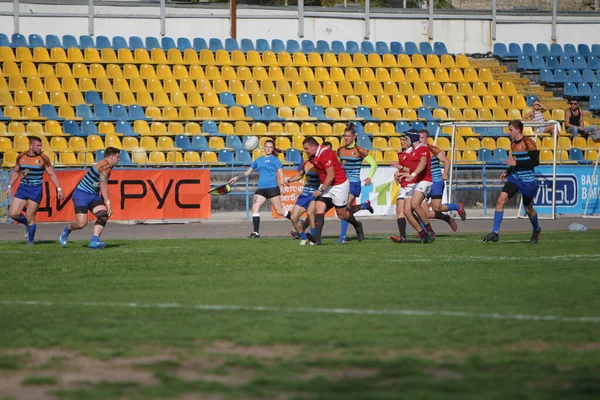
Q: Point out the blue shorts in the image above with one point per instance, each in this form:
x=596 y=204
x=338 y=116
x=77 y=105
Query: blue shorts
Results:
x=355 y=188
x=30 y=192
x=85 y=201
x=437 y=190
x=304 y=200
x=527 y=189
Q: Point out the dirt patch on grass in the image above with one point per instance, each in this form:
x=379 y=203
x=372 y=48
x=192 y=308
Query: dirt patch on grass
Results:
x=337 y=374
x=444 y=374
x=544 y=346
x=275 y=351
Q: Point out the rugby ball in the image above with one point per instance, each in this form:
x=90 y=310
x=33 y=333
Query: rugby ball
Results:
x=251 y=143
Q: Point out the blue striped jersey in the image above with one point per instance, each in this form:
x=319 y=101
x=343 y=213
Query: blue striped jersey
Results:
x=436 y=168
x=32 y=168
x=520 y=152
x=312 y=178
x=90 y=183
x=351 y=159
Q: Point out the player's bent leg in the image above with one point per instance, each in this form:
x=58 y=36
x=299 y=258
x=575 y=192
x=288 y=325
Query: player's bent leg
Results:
x=16 y=210
x=508 y=191
x=32 y=208
x=257 y=202
x=101 y=214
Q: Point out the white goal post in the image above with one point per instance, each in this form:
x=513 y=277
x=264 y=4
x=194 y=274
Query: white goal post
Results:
x=502 y=124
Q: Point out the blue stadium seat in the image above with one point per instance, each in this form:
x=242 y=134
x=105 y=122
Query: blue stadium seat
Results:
x=571 y=50
x=308 y=47
x=92 y=98
x=71 y=128
x=352 y=47
x=226 y=156
x=51 y=42
x=596 y=88
x=2 y=117
x=363 y=141
x=542 y=49
x=136 y=42
x=18 y=40
x=292 y=46
x=262 y=45
x=430 y=101
x=215 y=44
x=501 y=51
x=538 y=62
x=254 y=112
x=382 y=48
x=552 y=62
x=575 y=154
x=125 y=128
x=210 y=127
x=323 y=47
x=589 y=76
x=417 y=126
x=124 y=159
x=243 y=157
x=277 y=46
x=524 y=64
x=565 y=62
x=560 y=76
x=69 y=41
x=88 y=128
x=227 y=99
x=574 y=76
x=432 y=127
x=119 y=111
x=48 y=111
x=318 y=113
x=593 y=62
x=337 y=47
x=102 y=113
x=402 y=126
x=103 y=42
x=396 y=48
x=425 y=48
x=86 y=42
x=269 y=113
x=233 y=142
x=365 y=113
x=136 y=112
x=529 y=99
x=167 y=43
x=307 y=100
x=200 y=44
x=584 y=89
x=411 y=48
x=183 y=142
x=570 y=90
x=119 y=42
x=439 y=48
x=152 y=42
x=514 y=49
x=547 y=77
x=596 y=50
x=4 y=40
x=500 y=155
x=84 y=111
x=294 y=156
x=231 y=44
x=367 y=47
x=584 y=50
x=183 y=44
x=485 y=155
x=247 y=45
x=594 y=102
x=529 y=50
x=358 y=127
x=100 y=155
x=579 y=62
x=36 y=41
x=425 y=113
x=556 y=50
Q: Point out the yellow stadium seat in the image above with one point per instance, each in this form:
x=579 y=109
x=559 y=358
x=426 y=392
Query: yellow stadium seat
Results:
x=412 y=75
x=345 y=60
x=22 y=98
x=125 y=56
x=190 y=56
x=59 y=144
x=284 y=59
x=410 y=114
x=427 y=75
x=414 y=101
x=308 y=129
x=338 y=101
x=322 y=100
x=23 y=54
x=35 y=128
x=74 y=55
x=108 y=56
x=221 y=57
x=464 y=88
x=253 y=58
x=579 y=142
x=299 y=59
x=156 y=158
x=141 y=56
x=405 y=88
x=474 y=101
x=520 y=102
x=436 y=88
x=514 y=113
x=459 y=101
x=508 y=88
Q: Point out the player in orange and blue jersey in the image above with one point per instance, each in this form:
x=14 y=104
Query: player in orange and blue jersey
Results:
x=519 y=177
x=91 y=194
x=351 y=157
x=31 y=165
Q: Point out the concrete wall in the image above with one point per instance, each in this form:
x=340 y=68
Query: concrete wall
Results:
x=461 y=35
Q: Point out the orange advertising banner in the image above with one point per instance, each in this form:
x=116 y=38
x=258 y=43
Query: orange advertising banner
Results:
x=136 y=194
x=290 y=194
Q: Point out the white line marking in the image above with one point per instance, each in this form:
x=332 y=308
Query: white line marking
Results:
x=500 y=258
x=308 y=310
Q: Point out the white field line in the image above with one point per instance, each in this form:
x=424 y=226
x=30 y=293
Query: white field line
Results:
x=309 y=310
x=498 y=258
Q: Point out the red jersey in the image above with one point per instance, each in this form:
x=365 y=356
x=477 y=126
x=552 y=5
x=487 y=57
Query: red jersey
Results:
x=402 y=155
x=326 y=158
x=413 y=160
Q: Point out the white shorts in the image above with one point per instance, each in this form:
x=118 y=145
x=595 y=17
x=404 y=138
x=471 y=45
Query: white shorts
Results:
x=423 y=187
x=403 y=191
x=338 y=194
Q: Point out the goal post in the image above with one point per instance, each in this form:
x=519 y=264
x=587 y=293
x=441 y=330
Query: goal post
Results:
x=452 y=184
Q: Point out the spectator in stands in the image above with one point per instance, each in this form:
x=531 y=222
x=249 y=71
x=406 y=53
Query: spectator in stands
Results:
x=537 y=115
x=574 y=122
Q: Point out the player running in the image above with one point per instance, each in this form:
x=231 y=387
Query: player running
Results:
x=306 y=200
x=401 y=166
x=91 y=194
x=519 y=177
x=438 y=178
x=351 y=157
x=333 y=191
x=31 y=164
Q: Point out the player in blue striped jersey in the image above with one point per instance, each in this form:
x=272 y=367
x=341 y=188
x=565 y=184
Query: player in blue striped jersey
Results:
x=91 y=194
x=306 y=199
x=519 y=177
x=438 y=177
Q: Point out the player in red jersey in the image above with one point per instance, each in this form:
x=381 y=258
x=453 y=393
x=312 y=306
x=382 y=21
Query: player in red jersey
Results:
x=401 y=166
x=333 y=191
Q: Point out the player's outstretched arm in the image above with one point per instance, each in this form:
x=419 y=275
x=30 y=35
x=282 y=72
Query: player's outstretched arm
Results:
x=104 y=191
x=373 y=164
x=54 y=178
x=14 y=174
x=244 y=174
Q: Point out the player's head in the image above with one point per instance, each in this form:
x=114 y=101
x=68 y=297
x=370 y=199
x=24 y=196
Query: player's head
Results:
x=310 y=145
x=515 y=129
x=424 y=136
x=328 y=145
x=270 y=148
x=405 y=141
x=349 y=135
x=112 y=154
x=35 y=145
x=415 y=138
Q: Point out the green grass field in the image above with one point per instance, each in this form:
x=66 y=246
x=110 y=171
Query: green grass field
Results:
x=266 y=318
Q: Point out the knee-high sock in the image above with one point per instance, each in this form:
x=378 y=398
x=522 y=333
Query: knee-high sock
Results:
x=21 y=219
x=442 y=216
x=343 y=228
x=352 y=221
x=402 y=226
x=256 y=222
x=498 y=215
x=534 y=223
x=31 y=232
x=305 y=223
x=452 y=207
x=319 y=222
